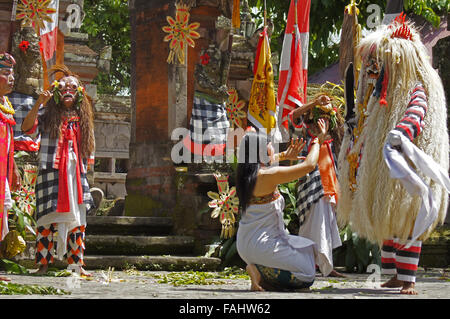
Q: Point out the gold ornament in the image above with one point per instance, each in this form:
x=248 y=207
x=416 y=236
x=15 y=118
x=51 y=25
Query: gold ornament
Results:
x=34 y=13
x=225 y=204
x=180 y=32
x=235 y=112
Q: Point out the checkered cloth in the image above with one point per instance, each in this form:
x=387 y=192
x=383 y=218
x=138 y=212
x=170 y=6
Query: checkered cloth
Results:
x=47 y=179
x=208 y=126
x=22 y=105
x=47 y=191
x=309 y=187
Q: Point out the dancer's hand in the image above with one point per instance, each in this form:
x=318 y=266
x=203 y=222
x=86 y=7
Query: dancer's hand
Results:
x=294 y=149
x=322 y=100
x=16 y=180
x=323 y=127
x=44 y=97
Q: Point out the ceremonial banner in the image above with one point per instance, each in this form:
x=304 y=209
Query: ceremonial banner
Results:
x=262 y=106
x=42 y=15
x=293 y=63
x=49 y=33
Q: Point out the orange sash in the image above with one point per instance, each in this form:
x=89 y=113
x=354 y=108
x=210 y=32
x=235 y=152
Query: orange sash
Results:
x=327 y=171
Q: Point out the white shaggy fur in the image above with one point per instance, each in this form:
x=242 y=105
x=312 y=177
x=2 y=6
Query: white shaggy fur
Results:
x=381 y=208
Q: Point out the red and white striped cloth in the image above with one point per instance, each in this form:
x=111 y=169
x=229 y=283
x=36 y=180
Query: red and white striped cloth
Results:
x=293 y=75
x=413 y=122
x=400 y=261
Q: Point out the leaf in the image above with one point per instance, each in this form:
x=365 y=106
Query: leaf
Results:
x=213 y=195
x=13 y=268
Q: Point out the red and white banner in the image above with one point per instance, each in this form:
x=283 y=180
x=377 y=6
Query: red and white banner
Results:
x=293 y=75
x=49 y=34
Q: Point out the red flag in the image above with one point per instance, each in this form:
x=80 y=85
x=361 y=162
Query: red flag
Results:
x=293 y=77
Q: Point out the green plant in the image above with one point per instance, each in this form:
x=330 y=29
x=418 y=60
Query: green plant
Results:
x=289 y=191
x=356 y=253
x=18 y=289
x=21 y=220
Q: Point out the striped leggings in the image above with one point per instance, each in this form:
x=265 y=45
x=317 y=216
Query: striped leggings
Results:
x=400 y=261
x=45 y=245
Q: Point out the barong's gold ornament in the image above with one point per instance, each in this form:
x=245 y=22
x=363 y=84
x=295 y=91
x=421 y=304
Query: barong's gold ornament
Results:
x=225 y=204
x=180 y=33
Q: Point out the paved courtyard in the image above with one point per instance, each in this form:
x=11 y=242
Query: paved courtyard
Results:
x=132 y=284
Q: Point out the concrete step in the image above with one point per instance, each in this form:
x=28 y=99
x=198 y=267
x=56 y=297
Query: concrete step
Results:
x=125 y=225
x=138 y=245
x=145 y=262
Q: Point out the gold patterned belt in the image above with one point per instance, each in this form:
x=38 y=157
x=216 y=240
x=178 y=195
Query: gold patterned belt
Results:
x=261 y=200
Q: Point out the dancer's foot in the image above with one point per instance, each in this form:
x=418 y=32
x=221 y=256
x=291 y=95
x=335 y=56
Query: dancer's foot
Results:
x=408 y=288
x=392 y=283
x=43 y=269
x=334 y=273
x=84 y=273
x=255 y=277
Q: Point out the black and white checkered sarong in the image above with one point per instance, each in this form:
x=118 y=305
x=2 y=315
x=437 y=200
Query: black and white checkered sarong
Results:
x=209 y=124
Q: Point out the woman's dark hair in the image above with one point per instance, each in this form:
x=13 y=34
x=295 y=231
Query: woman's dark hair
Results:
x=252 y=152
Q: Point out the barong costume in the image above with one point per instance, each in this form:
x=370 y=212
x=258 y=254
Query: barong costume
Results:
x=394 y=163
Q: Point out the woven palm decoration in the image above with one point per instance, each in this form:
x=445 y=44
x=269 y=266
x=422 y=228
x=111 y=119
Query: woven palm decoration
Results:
x=225 y=204
x=180 y=33
x=34 y=13
x=235 y=109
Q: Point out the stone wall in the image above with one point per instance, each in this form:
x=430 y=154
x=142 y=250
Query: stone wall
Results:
x=112 y=139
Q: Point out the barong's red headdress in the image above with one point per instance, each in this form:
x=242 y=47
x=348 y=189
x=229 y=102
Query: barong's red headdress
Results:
x=401 y=30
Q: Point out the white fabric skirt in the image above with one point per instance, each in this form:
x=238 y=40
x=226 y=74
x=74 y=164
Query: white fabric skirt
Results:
x=66 y=221
x=321 y=227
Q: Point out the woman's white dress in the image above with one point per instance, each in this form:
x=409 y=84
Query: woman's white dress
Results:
x=263 y=240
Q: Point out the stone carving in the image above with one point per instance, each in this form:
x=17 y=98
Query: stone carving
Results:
x=28 y=73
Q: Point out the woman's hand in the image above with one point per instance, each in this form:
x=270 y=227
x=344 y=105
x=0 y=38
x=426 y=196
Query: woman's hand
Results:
x=44 y=97
x=16 y=179
x=294 y=149
x=323 y=127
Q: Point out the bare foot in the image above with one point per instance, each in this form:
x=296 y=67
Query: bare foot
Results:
x=393 y=283
x=84 y=273
x=408 y=288
x=334 y=273
x=255 y=277
x=42 y=270
x=4 y=279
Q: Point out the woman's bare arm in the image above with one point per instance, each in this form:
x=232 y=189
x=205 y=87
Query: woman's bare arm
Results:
x=270 y=178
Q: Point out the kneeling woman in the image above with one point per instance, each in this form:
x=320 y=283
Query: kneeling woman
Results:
x=275 y=260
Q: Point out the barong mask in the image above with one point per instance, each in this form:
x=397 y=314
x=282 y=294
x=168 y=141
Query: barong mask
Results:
x=68 y=92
